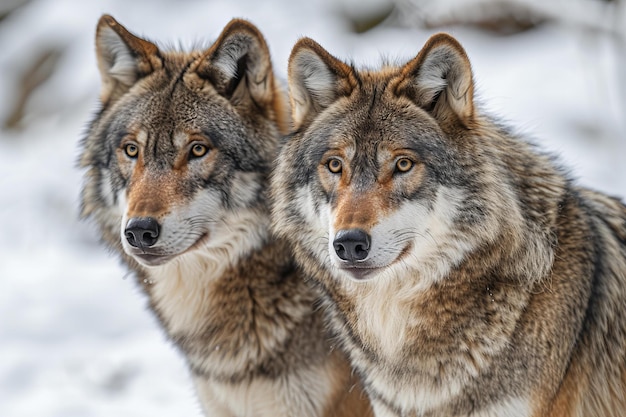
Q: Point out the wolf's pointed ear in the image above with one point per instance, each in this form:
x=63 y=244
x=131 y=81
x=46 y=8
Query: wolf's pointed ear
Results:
x=238 y=64
x=123 y=58
x=440 y=80
x=316 y=80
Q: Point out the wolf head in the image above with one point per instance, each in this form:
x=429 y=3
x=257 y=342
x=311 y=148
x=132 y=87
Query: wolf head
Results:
x=393 y=171
x=183 y=143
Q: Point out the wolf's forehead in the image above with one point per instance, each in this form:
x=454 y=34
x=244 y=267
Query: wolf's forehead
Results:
x=172 y=111
x=368 y=132
x=170 y=106
x=382 y=116
x=176 y=138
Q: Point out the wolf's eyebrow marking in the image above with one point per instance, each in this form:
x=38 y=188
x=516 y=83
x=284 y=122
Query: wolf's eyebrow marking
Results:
x=213 y=136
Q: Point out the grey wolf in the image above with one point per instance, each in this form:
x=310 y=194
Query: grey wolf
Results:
x=464 y=271
x=177 y=162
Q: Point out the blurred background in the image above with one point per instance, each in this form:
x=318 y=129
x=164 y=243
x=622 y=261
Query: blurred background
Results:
x=75 y=336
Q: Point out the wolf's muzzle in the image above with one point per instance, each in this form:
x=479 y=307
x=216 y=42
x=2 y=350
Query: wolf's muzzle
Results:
x=352 y=245
x=142 y=232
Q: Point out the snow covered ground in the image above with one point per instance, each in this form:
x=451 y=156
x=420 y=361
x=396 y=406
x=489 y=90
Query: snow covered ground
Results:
x=75 y=336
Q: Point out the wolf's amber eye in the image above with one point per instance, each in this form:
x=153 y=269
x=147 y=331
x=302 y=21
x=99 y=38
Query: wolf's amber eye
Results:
x=404 y=165
x=334 y=166
x=198 y=150
x=131 y=150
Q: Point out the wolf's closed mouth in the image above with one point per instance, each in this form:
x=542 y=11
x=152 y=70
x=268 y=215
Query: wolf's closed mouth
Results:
x=360 y=273
x=363 y=272
x=153 y=260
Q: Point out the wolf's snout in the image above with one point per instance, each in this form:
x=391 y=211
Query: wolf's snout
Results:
x=142 y=232
x=352 y=244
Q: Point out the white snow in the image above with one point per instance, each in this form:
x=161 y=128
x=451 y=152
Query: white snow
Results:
x=75 y=336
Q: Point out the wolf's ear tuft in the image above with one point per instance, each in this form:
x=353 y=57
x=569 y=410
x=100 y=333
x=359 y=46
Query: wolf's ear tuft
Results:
x=239 y=65
x=440 y=80
x=123 y=58
x=316 y=80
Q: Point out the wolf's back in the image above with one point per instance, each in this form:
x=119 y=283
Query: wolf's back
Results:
x=595 y=383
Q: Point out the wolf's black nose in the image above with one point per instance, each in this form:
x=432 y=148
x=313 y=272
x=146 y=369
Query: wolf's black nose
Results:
x=142 y=232
x=352 y=244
